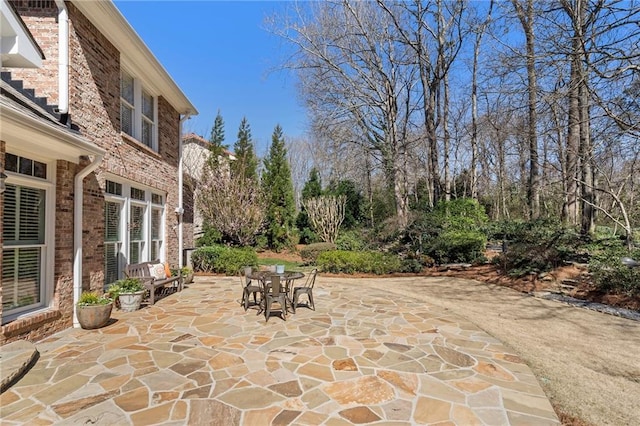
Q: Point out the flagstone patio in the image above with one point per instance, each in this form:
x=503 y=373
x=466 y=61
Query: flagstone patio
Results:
x=196 y=357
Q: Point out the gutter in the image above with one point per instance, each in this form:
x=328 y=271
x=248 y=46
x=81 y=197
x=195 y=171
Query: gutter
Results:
x=63 y=61
x=180 y=208
x=78 y=200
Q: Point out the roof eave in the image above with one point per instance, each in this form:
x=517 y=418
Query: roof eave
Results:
x=110 y=22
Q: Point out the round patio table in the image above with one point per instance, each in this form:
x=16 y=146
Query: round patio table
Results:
x=288 y=277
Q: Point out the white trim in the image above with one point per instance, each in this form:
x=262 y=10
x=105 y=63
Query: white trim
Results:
x=18 y=49
x=48 y=256
x=21 y=130
x=126 y=202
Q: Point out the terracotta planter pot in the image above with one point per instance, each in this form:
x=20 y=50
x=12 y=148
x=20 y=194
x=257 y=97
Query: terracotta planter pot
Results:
x=130 y=302
x=94 y=316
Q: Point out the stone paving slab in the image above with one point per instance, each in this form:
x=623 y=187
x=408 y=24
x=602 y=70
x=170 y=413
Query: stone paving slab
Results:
x=196 y=357
x=15 y=359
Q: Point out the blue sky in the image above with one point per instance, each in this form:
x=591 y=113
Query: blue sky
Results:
x=222 y=58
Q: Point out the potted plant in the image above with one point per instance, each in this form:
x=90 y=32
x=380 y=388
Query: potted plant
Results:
x=129 y=292
x=187 y=274
x=93 y=310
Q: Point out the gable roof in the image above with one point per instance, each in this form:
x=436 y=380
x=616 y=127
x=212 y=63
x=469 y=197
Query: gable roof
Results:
x=199 y=140
x=19 y=49
x=134 y=52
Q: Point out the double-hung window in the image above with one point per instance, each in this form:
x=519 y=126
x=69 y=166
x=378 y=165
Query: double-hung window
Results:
x=138 y=111
x=134 y=227
x=27 y=248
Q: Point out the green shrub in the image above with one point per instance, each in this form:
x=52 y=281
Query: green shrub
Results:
x=453 y=231
x=88 y=298
x=540 y=246
x=610 y=275
x=457 y=246
x=310 y=253
x=210 y=237
x=223 y=259
x=125 y=286
x=349 y=262
x=350 y=241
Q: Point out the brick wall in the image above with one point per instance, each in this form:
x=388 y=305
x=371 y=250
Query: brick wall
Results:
x=94 y=106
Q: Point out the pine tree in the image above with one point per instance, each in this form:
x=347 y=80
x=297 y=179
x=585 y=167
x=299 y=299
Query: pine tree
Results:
x=246 y=162
x=216 y=139
x=312 y=188
x=278 y=188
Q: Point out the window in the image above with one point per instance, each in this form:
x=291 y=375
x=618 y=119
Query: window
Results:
x=138 y=111
x=134 y=227
x=25 y=247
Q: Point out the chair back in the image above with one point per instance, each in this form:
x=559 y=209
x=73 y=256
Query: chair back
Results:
x=247 y=271
x=311 y=279
x=275 y=284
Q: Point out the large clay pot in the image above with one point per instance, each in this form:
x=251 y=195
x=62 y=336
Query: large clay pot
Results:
x=93 y=316
x=130 y=302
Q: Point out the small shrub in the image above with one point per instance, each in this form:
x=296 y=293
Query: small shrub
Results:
x=610 y=275
x=89 y=298
x=349 y=262
x=350 y=241
x=310 y=253
x=540 y=246
x=125 y=286
x=457 y=246
x=223 y=259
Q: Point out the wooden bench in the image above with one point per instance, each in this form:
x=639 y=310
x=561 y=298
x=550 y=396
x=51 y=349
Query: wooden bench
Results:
x=151 y=283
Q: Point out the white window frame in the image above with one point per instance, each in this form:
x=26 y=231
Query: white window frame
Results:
x=47 y=256
x=126 y=202
x=138 y=117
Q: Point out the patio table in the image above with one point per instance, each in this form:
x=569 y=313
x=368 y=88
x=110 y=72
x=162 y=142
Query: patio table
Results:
x=288 y=277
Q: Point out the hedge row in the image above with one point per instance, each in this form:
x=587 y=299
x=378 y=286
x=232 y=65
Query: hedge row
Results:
x=223 y=259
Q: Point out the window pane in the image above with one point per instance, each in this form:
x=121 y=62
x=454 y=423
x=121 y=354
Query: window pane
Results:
x=147 y=105
x=11 y=162
x=126 y=87
x=147 y=133
x=113 y=188
x=26 y=166
x=156 y=199
x=23 y=215
x=134 y=252
x=20 y=277
x=111 y=252
x=39 y=170
x=31 y=215
x=136 y=227
x=137 y=194
x=112 y=221
x=156 y=223
x=10 y=225
x=126 y=119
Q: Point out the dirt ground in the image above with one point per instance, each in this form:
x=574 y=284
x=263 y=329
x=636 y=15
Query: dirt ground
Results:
x=587 y=362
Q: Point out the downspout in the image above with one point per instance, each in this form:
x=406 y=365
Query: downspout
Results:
x=78 y=200
x=63 y=61
x=180 y=208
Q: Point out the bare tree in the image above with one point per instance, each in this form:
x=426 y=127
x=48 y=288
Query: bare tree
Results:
x=326 y=214
x=354 y=75
x=232 y=204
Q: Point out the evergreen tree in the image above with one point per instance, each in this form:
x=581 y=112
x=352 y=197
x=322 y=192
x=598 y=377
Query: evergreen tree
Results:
x=353 y=213
x=312 y=188
x=278 y=189
x=216 y=139
x=246 y=163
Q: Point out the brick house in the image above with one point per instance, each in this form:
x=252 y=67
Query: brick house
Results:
x=92 y=155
